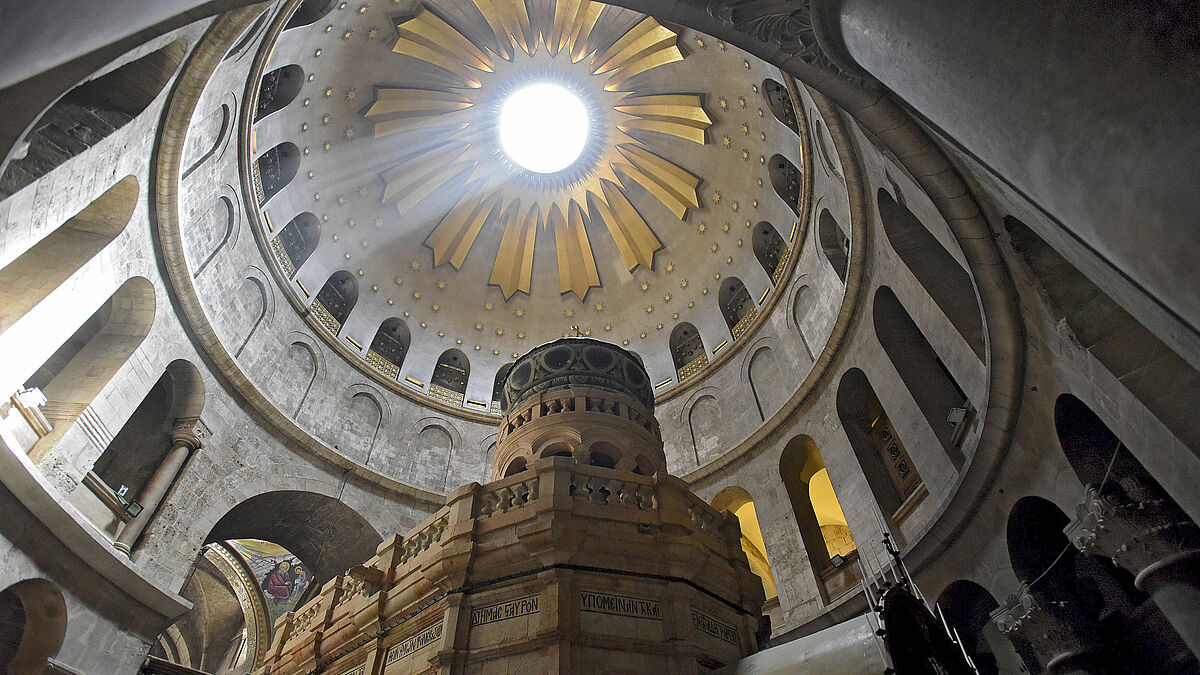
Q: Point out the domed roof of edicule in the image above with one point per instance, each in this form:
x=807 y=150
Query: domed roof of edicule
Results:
x=407 y=200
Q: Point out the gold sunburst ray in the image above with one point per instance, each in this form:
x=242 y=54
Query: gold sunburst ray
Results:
x=489 y=191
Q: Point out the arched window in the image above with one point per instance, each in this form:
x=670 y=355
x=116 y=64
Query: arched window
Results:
x=85 y=363
x=738 y=502
x=890 y=473
x=89 y=113
x=515 y=467
x=780 y=103
x=938 y=272
x=337 y=297
x=737 y=306
x=277 y=89
x=38 y=271
x=389 y=347
x=309 y=12
x=296 y=242
x=450 y=376
x=274 y=169
x=498 y=387
x=823 y=528
x=945 y=406
x=687 y=351
x=834 y=243
x=785 y=178
x=770 y=250
x=1153 y=372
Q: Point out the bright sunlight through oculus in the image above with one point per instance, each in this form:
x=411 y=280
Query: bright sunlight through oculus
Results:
x=543 y=127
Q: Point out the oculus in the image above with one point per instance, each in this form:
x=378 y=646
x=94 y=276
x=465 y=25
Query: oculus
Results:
x=543 y=127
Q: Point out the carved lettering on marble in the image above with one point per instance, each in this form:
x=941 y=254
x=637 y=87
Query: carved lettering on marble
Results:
x=359 y=670
x=717 y=629
x=504 y=610
x=620 y=605
x=413 y=644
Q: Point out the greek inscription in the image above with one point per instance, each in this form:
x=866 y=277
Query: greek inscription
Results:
x=717 y=629
x=619 y=605
x=413 y=644
x=504 y=610
x=358 y=670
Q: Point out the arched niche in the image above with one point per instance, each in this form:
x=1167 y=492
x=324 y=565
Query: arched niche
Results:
x=891 y=474
x=33 y=624
x=84 y=364
x=389 y=346
x=1153 y=372
x=336 y=300
x=324 y=532
x=277 y=89
x=45 y=265
x=736 y=305
x=738 y=502
x=247 y=35
x=309 y=12
x=780 y=103
x=834 y=243
x=942 y=277
x=274 y=170
x=946 y=408
x=224 y=123
x=221 y=226
x=141 y=444
x=787 y=181
x=498 y=386
x=770 y=250
x=823 y=528
x=515 y=467
x=967 y=607
x=687 y=350
x=89 y=113
x=450 y=376
x=297 y=241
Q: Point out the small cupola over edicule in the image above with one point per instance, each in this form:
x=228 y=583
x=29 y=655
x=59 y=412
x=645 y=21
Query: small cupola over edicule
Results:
x=580 y=398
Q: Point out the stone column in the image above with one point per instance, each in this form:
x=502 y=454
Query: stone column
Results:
x=183 y=442
x=1147 y=534
x=1089 y=110
x=1064 y=646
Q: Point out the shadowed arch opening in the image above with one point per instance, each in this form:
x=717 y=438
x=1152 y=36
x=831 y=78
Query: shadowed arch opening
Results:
x=327 y=534
x=942 y=277
x=942 y=402
x=967 y=608
x=33 y=624
x=786 y=179
x=309 y=12
x=450 y=376
x=780 y=102
x=498 y=386
x=222 y=128
x=277 y=89
x=738 y=502
x=336 y=300
x=736 y=305
x=891 y=475
x=297 y=241
x=687 y=350
x=770 y=250
x=41 y=269
x=1153 y=372
x=84 y=364
x=389 y=346
x=89 y=113
x=834 y=243
x=818 y=513
x=274 y=170
x=224 y=216
x=142 y=443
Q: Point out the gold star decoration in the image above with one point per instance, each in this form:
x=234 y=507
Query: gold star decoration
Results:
x=742 y=102
x=349 y=133
x=725 y=228
x=723 y=103
x=608 y=327
x=499 y=331
x=488 y=306
x=341 y=200
x=416 y=295
x=683 y=284
x=675 y=315
x=328 y=92
x=372 y=33
x=399 y=281
x=739 y=242
x=351 y=94
x=441 y=285
x=667 y=298
x=725 y=141
x=745 y=155
x=328 y=146
x=716 y=197
x=317 y=52
x=569 y=313
x=735 y=205
x=347 y=33
x=649 y=309
x=670 y=267
x=363 y=9
x=436 y=307
x=416 y=264
x=520 y=314
x=745 y=127
x=441 y=333
x=701 y=228
x=325 y=119
x=715 y=247
x=645 y=286
x=700 y=42
x=658 y=327
x=599 y=307
x=329 y=28
x=521 y=336
x=362 y=192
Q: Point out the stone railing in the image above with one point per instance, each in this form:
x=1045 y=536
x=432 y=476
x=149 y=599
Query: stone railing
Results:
x=626 y=490
x=777 y=275
x=568 y=401
x=325 y=318
x=381 y=364
x=692 y=367
x=440 y=393
x=420 y=542
x=743 y=324
x=282 y=257
x=509 y=494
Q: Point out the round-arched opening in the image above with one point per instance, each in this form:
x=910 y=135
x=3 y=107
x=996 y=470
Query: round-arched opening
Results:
x=515 y=467
x=33 y=623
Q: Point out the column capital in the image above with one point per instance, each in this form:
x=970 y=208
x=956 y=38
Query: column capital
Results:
x=183 y=435
x=1054 y=637
x=1133 y=524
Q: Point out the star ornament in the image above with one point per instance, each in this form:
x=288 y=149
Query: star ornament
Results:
x=498 y=205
